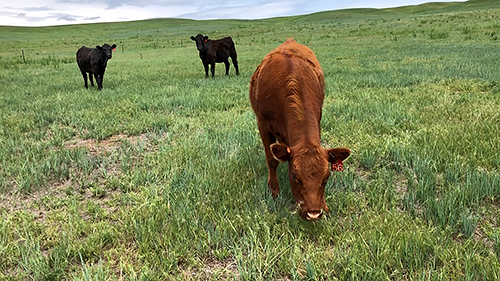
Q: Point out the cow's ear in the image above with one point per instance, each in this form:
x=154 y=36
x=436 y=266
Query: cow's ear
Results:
x=98 y=47
x=114 y=46
x=205 y=38
x=338 y=154
x=192 y=38
x=281 y=152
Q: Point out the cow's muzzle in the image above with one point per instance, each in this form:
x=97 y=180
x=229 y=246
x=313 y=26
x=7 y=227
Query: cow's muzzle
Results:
x=313 y=215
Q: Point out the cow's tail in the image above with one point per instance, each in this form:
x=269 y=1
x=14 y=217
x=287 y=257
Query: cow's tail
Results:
x=233 y=55
x=232 y=49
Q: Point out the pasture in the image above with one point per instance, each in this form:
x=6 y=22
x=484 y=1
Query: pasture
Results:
x=162 y=174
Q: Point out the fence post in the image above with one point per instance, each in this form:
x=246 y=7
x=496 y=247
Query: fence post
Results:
x=22 y=50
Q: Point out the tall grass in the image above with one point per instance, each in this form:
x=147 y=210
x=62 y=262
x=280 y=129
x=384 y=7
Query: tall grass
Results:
x=162 y=176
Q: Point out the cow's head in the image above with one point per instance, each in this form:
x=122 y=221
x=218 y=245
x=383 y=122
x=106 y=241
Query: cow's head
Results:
x=201 y=42
x=107 y=49
x=308 y=171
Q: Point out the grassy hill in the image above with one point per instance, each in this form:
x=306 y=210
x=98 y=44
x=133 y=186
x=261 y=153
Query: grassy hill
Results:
x=162 y=175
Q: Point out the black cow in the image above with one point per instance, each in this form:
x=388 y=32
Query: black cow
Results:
x=94 y=61
x=212 y=51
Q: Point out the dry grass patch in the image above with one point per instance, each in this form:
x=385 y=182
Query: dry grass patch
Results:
x=213 y=270
x=105 y=146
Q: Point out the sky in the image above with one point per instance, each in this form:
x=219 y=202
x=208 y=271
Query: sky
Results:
x=61 y=12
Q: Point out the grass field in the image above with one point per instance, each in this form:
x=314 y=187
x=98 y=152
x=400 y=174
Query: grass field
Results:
x=162 y=174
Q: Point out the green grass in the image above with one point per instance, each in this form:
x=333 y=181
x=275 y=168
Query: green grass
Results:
x=162 y=175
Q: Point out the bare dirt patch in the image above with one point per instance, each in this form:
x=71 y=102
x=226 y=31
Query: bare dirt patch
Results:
x=13 y=202
x=220 y=270
x=110 y=144
x=89 y=186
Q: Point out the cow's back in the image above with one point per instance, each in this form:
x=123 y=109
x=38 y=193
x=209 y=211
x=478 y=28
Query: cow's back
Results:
x=223 y=48
x=288 y=84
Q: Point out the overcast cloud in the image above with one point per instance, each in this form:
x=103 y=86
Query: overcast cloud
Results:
x=59 y=12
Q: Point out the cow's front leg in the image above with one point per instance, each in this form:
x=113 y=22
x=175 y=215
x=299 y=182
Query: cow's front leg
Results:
x=206 y=69
x=99 y=81
x=96 y=76
x=272 y=163
x=272 y=181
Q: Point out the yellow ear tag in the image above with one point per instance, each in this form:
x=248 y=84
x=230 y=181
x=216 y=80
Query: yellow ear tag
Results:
x=288 y=150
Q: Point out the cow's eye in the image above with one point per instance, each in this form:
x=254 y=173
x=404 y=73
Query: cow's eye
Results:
x=297 y=180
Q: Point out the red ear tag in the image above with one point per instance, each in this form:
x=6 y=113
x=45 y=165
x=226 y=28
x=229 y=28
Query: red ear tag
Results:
x=288 y=150
x=205 y=40
x=114 y=49
x=338 y=166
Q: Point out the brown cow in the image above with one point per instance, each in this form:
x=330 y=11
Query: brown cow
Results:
x=287 y=92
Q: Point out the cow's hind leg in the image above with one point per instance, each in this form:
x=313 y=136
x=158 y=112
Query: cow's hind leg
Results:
x=212 y=68
x=84 y=74
x=272 y=182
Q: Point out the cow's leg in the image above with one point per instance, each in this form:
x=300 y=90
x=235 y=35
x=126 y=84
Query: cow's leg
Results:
x=97 y=78
x=206 y=69
x=212 y=68
x=268 y=139
x=92 y=81
x=99 y=81
x=226 y=62
x=84 y=74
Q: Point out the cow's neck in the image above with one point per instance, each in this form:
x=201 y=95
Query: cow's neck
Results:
x=203 y=53
x=206 y=47
x=303 y=131
x=104 y=58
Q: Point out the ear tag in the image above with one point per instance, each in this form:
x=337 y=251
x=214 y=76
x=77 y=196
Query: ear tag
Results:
x=338 y=166
x=114 y=49
x=288 y=150
x=205 y=40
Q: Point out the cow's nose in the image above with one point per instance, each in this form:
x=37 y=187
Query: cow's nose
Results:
x=314 y=215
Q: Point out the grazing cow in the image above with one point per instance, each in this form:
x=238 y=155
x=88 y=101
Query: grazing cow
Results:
x=94 y=61
x=287 y=92
x=212 y=51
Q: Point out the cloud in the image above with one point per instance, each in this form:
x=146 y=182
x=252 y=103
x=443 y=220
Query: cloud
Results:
x=64 y=17
x=56 y=12
x=91 y=18
x=111 y=4
x=30 y=9
x=241 y=11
